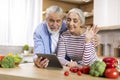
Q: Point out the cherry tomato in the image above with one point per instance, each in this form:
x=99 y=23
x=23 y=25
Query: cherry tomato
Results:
x=71 y=69
x=111 y=73
x=79 y=73
x=74 y=69
x=85 y=69
x=66 y=73
x=80 y=69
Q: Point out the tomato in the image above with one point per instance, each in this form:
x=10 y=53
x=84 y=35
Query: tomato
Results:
x=80 y=69
x=111 y=73
x=79 y=73
x=71 y=69
x=66 y=73
x=1 y=57
x=74 y=69
x=85 y=69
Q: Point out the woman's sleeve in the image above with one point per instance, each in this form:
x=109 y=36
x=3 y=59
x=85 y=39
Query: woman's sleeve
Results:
x=89 y=55
x=61 y=50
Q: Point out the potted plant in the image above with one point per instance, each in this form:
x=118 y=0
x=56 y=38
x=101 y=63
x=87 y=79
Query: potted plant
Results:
x=26 y=49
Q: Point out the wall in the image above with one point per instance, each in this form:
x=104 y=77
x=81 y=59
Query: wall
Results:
x=107 y=12
x=4 y=50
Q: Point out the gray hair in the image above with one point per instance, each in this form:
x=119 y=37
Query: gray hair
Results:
x=80 y=14
x=55 y=9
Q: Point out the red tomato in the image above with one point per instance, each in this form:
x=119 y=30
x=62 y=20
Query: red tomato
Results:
x=1 y=57
x=85 y=69
x=111 y=73
x=80 y=69
x=79 y=73
x=71 y=69
x=66 y=73
x=74 y=69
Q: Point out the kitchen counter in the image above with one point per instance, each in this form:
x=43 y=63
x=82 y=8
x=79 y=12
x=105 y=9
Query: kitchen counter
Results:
x=28 y=71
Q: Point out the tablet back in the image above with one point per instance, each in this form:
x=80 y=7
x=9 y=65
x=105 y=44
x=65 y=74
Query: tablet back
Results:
x=53 y=60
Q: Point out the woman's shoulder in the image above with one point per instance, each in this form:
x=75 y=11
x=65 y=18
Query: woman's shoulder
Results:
x=66 y=33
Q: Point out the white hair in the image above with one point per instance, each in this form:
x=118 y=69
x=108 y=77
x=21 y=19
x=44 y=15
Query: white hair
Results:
x=80 y=14
x=55 y=9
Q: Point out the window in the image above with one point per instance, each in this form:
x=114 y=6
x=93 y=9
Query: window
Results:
x=18 y=20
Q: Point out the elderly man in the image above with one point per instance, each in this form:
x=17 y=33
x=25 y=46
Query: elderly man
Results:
x=47 y=34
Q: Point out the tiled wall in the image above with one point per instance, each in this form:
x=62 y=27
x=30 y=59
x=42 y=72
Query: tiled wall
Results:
x=110 y=39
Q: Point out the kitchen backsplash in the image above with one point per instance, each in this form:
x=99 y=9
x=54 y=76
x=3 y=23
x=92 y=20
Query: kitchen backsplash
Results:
x=12 y=49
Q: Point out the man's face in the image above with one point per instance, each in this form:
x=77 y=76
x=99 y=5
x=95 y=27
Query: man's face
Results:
x=54 y=21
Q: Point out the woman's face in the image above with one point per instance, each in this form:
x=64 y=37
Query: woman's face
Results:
x=73 y=23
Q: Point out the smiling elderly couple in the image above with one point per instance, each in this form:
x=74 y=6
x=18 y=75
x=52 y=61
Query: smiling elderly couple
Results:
x=66 y=38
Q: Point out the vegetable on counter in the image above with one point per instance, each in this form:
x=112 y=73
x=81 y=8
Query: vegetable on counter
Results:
x=10 y=61
x=66 y=73
x=17 y=59
x=111 y=73
x=1 y=58
x=85 y=69
x=7 y=62
x=97 y=68
x=111 y=62
x=82 y=69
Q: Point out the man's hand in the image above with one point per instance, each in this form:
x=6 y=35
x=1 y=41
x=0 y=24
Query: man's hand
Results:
x=41 y=62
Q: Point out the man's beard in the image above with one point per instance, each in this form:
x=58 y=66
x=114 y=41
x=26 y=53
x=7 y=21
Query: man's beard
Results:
x=53 y=32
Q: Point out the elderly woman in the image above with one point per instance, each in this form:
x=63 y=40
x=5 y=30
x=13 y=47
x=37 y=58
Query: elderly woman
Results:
x=76 y=42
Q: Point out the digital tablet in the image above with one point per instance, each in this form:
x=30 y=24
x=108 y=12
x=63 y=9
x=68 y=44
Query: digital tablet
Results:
x=53 y=60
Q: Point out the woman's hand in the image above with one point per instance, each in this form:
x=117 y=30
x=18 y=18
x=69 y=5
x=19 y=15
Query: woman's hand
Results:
x=96 y=40
x=40 y=62
x=72 y=64
x=91 y=34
